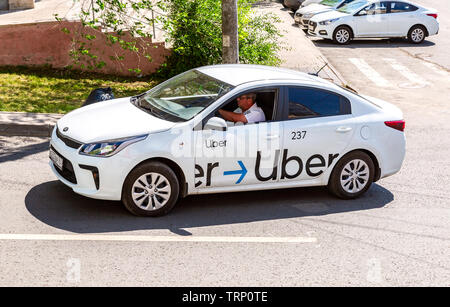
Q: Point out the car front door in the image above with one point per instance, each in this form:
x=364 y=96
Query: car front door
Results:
x=372 y=21
x=317 y=128
x=242 y=154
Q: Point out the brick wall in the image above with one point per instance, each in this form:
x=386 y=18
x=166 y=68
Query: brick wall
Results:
x=47 y=44
x=21 y=4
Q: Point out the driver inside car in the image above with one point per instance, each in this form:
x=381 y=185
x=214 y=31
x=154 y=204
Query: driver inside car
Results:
x=251 y=113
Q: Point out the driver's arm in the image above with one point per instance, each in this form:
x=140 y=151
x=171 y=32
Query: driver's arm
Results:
x=233 y=117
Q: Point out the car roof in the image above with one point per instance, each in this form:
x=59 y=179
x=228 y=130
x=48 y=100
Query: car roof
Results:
x=237 y=74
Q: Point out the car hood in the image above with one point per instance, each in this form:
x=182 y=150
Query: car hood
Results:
x=108 y=120
x=328 y=15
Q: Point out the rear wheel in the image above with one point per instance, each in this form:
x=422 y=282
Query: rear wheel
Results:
x=352 y=175
x=342 y=35
x=417 y=34
x=151 y=189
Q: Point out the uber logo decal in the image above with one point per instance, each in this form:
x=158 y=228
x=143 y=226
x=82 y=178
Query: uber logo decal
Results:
x=212 y=143
x=312 y=163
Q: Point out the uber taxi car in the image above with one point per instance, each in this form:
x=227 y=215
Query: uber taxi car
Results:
x=375 y=19
x=152 y=149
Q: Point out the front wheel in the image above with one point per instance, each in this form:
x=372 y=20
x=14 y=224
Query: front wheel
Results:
x=151 y=189
x=352 y=175
x=342 y=35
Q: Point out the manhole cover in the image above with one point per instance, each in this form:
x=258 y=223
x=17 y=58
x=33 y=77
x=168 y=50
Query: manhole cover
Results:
x=409 y=85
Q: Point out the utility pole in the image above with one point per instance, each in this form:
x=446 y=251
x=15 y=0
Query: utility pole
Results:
x=230 y=42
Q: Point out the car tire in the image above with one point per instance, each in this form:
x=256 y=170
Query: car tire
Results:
x=342 y=35
x=151 y=189
x=417 y=34
x=352 y=175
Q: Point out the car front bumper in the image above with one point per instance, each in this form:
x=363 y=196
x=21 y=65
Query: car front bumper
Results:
x=315 y=29
x=94 y=177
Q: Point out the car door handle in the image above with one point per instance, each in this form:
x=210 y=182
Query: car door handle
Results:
x=272 y=136
x=344 y=129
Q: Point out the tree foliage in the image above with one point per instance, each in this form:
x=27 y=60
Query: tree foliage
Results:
x=192 y=29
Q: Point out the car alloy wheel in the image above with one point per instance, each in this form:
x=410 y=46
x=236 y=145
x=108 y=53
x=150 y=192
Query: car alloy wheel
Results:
x=151 y=191
x=354 y=176
x=342 y=36
x=417 y=35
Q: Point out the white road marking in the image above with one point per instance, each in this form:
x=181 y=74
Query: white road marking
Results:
x=369 y=72
x=436 y=69
x=138 y=238
x=406 y=72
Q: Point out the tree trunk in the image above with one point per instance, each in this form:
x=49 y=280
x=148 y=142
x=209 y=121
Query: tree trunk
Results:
x=230 y=42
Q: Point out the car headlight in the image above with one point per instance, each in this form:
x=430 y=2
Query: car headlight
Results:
x=109 y=148
x=327 y=22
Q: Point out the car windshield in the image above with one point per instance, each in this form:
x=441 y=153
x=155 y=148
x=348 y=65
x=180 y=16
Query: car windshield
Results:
x=183 y=97
x=330 y=2
x=351 y=7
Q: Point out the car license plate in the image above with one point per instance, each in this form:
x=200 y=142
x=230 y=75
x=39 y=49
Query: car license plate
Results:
x=56 y=159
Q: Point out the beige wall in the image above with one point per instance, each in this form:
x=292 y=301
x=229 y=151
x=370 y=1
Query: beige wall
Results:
x=46 y=44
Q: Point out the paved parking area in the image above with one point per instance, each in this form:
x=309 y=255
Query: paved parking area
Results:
x=396 y=234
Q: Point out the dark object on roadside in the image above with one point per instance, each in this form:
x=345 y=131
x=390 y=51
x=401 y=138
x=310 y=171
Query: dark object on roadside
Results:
x=99 y=94
x=292 y=4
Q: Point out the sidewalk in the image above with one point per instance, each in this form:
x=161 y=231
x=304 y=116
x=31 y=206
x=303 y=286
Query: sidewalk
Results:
x=301 y=55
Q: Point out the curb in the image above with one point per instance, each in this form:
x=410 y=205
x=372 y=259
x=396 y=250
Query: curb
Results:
x=27 y=124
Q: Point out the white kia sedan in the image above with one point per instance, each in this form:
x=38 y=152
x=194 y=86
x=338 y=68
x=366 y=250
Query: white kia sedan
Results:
x=303 y=15
x=180 y=138
x=376 y=19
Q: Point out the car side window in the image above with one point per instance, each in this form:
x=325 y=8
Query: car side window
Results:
x=309 y=102
x=375 y=9
x=402 y=7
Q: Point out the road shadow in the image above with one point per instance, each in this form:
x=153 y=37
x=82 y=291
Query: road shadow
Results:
x=22 y=152
x=58 y=206
x=372 y=43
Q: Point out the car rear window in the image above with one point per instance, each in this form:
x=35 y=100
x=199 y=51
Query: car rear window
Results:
x=309 y=102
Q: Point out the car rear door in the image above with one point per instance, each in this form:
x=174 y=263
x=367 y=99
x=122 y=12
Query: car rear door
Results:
x=317 y=126
x=402 y=17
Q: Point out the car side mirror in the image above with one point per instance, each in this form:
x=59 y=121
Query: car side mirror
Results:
x=216 y=123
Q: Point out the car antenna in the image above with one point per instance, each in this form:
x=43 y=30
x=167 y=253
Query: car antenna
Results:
x=317 y=73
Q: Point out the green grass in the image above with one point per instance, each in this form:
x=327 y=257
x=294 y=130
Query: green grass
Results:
x=45 y=90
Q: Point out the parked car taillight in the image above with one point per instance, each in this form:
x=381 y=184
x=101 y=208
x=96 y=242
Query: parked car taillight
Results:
x=433 y=15
x=396 y=124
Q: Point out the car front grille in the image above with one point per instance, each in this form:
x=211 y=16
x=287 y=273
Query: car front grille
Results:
x=69 y=142
x=312 y=26
x=67 y=171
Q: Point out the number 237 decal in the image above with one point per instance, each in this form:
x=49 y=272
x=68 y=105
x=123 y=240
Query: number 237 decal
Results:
x=298 y=135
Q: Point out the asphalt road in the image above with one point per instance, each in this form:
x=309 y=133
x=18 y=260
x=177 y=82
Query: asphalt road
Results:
x=398 y=234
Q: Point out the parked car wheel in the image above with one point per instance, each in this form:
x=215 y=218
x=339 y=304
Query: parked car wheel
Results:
x=342 y=35
x=151 y=189
x=352 y=175
x=417 y=34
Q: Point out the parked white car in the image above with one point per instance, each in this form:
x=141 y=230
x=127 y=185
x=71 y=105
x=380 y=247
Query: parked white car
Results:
x=308 y=2
x=303 y=15
x=376 y=19
x=152 y=149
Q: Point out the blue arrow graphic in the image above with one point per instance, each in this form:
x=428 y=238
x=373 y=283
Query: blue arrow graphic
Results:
x=242 y=172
